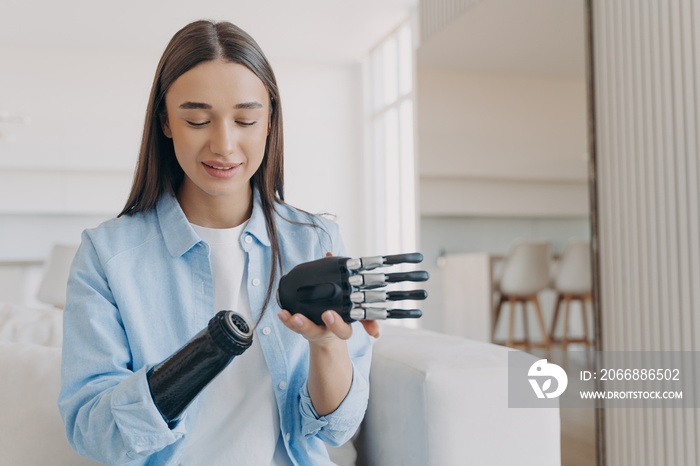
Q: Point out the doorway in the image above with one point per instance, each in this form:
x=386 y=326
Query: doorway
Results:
x=502 y=131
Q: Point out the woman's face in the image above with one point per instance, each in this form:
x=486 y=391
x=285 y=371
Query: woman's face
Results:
x=218 y=118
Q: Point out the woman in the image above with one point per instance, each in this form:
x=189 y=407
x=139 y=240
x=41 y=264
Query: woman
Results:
x=205 y=228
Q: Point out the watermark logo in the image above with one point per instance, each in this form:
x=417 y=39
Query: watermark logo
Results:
x=546 y=371
x=610 y=379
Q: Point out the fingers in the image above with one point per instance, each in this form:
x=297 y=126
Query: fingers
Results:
x=371 y=327
x=337 y=325
x=299 y=323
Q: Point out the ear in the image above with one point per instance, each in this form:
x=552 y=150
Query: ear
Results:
x=165 y=126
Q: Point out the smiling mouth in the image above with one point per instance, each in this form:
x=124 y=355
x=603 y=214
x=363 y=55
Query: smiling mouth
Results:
x=221 y=167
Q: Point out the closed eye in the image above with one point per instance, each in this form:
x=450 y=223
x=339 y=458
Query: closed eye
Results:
x=192 y=123
x=246 y=123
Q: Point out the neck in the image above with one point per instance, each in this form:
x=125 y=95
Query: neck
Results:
x=225 y=211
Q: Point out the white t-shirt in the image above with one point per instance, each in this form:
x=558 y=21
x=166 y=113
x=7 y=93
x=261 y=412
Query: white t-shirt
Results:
x=238 y=421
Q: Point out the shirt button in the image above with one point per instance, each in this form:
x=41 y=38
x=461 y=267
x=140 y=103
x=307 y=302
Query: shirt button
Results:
x=256 y=281
x=266 y=331
x=287 y=436
x=282 y=385
x=248 y=239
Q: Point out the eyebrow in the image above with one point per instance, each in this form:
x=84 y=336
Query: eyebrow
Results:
x=203 y=106
x=195 y=106
x=248 y=105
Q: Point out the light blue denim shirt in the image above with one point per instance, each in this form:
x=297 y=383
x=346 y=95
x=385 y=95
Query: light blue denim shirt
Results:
x=140 y=287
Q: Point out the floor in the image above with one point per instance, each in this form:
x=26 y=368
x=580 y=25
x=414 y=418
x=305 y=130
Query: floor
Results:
x=578 y=437
x=578 y=446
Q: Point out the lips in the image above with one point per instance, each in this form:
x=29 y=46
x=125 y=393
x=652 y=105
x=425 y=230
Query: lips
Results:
x=220 y=165
x=221 y=169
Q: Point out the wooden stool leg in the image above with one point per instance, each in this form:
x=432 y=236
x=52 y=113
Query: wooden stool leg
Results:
x=565 y=339
x=557 y=306
x=526 y=330
x=545 y=335
x=588 y=298
x=584 y=313
x=511 y=303
x=497 y=314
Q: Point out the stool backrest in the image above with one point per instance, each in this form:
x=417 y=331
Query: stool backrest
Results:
x=526 y=269
x=573 y=275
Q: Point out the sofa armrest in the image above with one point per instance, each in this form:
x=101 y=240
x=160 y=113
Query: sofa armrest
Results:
x=442 y=400
x=31 y=431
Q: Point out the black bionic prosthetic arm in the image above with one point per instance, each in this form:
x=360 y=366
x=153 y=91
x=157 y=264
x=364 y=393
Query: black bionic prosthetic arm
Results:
x=176 y=381
x=337 y=283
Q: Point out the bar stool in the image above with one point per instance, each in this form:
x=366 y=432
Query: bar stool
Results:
x=572 y=282
x=524 y=274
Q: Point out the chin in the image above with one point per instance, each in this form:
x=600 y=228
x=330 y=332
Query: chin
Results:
x=228 y=191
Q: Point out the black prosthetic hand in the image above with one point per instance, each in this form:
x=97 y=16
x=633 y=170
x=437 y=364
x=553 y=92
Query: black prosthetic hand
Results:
x=176 y=381
x=337 y=283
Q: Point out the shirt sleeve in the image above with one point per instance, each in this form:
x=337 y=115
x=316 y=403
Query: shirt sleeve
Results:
x=339 y=426
x=106 y=407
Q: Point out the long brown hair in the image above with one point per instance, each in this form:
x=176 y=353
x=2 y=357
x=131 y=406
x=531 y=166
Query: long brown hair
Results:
x=157 y=169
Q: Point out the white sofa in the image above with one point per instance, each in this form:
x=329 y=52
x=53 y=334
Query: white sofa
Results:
x=435 y=400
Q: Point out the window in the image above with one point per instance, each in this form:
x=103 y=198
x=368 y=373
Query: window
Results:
x=392 y=162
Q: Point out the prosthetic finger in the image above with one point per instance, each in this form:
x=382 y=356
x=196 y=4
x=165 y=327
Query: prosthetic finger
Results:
x=382 y=296
x=370 y=263
x=175 y=382
x=337 y=283
x=375 y=313
x=377 y=280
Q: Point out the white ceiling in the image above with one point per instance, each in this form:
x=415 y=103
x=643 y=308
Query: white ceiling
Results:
x=533 y=37
x=314 y=30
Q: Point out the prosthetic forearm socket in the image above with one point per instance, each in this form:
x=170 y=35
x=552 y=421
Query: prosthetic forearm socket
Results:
x=175 y=382
x=338 y=283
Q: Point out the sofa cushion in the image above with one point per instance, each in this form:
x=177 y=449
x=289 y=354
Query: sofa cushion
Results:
x=21 y=324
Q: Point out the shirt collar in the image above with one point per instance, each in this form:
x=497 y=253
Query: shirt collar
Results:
x=180 y=237
x=257 y=227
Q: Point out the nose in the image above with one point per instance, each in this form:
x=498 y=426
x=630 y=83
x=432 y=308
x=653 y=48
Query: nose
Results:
x=223 y=140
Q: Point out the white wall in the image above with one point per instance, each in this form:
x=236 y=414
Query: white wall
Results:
x=507 y=145
x=322 y=107
x=86 y=108
x=501 y=126
x=464 y=196
x=72 y=165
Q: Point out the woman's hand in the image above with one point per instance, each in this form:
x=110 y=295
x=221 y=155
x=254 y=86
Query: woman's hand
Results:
x=335 y=326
